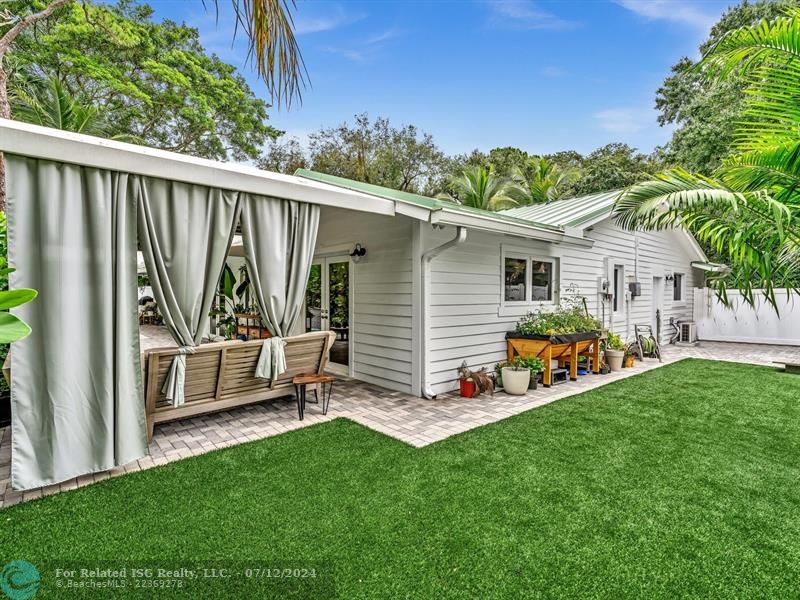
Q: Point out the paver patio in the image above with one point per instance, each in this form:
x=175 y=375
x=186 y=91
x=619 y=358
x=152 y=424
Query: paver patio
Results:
x=416 y=421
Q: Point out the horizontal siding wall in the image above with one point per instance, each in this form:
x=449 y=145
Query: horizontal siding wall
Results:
x=465 y=323
x=659 y=253
x=466 y=318
x=381 y=295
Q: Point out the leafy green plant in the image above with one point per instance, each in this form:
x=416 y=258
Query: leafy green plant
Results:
x=614 y=342
x=12 y=328
x=562 y=320
x=533 y=363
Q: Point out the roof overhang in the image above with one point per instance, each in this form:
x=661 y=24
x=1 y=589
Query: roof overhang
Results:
x=710 y=267
x=33 y=141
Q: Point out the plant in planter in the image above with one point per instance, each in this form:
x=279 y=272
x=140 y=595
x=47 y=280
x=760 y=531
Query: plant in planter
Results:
x=535 y=366
x=473 y=383
x=630 y=355
x=516 y=376
x=498 y=373
x=562 y=320
x=615 y=351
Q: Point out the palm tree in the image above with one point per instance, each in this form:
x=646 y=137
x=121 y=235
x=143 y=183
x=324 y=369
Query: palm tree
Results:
x=750 y=209
x=545 y=182
x=46 y=102
x=479 y=187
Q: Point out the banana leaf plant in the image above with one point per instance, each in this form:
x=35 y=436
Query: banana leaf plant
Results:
x=12 y=328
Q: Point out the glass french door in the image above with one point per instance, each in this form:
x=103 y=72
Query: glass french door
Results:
x=328 y=305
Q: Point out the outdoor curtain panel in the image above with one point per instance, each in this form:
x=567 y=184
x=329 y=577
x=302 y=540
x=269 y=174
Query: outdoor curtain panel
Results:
x=185 y=231
x=77 y=401
x=279 y=237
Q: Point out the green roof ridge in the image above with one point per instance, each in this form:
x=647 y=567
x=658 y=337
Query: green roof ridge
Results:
x=417 y=199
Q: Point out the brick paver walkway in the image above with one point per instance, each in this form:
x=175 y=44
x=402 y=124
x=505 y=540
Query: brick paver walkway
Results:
x=413 y=420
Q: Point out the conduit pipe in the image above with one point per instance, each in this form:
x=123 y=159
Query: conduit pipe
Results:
x=427 y=257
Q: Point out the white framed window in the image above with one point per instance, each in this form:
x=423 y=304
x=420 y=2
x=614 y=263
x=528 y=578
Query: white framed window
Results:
x=678 y=287
x=528 y=279
x=516 y=275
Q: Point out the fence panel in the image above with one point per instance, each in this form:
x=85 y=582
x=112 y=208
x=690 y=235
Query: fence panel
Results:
x=743 y=323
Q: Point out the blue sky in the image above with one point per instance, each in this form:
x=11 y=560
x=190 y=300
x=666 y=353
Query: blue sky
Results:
x=542 y=76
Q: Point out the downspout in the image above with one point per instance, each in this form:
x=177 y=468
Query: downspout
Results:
x=427 y=257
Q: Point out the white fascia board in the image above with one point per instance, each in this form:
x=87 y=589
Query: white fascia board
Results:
x=72 y=148
x=410 y=210
x=444 y=216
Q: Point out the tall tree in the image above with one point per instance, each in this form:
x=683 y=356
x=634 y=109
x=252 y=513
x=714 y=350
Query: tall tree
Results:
x=706 y=110
x=402 y=158
x=545 y=181
x=156 y=78
x=283 y=156
x=47 y=103
x=479 y=187
x=750 y=209
x=613 y=167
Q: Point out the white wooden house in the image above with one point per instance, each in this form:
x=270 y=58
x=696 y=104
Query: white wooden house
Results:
x=441 y=283
x=434 y=283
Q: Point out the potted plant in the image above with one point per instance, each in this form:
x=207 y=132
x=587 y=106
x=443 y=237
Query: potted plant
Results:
x=535 y=366
x=498 y=373
x=615 y=351
x=473 y=383
x=630 y=355
x=516 y=377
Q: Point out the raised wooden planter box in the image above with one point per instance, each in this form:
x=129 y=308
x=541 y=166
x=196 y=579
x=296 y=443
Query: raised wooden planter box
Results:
x=565 y=347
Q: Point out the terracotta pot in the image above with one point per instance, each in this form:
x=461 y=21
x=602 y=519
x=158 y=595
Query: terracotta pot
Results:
x=614 y=359
x=467 y=388
x=516 y=382
x=629 y=361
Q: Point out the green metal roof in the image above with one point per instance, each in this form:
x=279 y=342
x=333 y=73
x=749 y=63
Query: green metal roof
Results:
x=422 y=201
x=572 y=212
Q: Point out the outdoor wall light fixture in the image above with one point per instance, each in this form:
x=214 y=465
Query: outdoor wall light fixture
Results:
x=670 y=277
x=358 y=253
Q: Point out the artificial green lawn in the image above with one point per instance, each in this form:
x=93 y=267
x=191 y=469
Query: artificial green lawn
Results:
x=683 y=481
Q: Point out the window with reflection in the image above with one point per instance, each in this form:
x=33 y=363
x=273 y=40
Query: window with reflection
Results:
x=516 y=276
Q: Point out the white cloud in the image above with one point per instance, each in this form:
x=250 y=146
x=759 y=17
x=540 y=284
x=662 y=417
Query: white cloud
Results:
x=384 y=36
x=367 y=49
x=676 y=11
x=553 y=72
x=524 y=14
x=349 y=53
x=625 y=120
x=305 y=24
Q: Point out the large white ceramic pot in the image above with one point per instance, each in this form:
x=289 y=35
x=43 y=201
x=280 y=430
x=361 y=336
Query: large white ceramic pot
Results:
x=614 y=359
x=516 y=382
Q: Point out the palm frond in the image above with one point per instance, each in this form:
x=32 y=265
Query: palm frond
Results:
x=750 y=46
x=658 y=203
x=273 y=48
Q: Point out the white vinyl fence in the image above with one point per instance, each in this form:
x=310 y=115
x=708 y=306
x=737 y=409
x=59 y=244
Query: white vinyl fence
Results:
x=742 y=323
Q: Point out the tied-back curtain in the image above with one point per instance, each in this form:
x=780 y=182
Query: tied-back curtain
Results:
x=279 y=237
x=76 y=391
x=185 y=231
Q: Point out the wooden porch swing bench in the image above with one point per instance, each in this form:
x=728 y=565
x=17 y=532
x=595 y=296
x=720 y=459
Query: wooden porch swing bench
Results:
x=220 y=376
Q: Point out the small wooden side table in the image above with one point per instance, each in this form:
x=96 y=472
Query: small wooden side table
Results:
x=301 y=382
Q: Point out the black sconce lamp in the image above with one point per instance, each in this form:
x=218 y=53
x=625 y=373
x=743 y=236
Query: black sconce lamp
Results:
x=358 y=253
